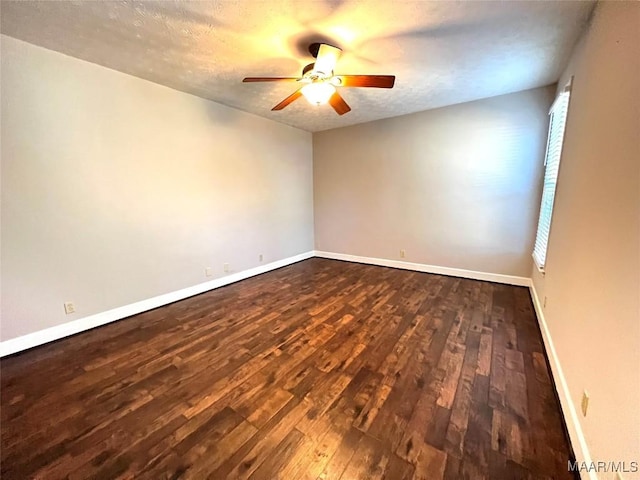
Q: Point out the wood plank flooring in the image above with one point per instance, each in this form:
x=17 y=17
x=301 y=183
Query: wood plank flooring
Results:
x=321 y=370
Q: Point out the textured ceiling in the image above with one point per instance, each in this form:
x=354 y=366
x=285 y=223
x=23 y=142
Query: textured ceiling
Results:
x=441 y=52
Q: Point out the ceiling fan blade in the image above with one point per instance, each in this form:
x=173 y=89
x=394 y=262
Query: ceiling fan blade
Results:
x=270 y=79
x=291 y=98
x=327 y=58
x=338 y=104
x=377 y=81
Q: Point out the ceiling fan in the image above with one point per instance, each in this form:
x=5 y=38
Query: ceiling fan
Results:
x=319 y=81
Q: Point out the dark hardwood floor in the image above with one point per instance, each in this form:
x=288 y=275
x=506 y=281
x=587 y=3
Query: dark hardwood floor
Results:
x=320 y=370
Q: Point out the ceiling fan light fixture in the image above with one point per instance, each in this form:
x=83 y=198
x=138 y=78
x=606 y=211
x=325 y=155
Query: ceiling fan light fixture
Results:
x=318 y=93
x=318 y=83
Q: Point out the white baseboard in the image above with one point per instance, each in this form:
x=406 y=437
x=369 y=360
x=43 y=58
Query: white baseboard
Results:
x=421 y=267
x=41 y=337
x=576 y=435
x=579 y=443
x=34 y=339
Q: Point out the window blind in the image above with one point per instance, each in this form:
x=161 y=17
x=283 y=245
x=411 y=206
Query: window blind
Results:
x=557 y=125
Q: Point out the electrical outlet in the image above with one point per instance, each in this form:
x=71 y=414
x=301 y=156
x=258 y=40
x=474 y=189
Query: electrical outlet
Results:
x=226 y=267
x=69 y=307
x=403 y=253
x=585 y=403
x=260 y=257
x=208 y=271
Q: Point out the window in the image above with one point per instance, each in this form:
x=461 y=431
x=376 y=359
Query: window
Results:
x=557 y=122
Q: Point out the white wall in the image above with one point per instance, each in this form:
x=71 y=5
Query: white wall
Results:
x=455 y=187
x=592 y=280
x=115 y=189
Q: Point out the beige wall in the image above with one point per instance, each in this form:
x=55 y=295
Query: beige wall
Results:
x=592 y=280
x=115 y=189
x=455 y=187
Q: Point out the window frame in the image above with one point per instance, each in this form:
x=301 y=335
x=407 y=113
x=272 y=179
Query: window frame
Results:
x=540 y=263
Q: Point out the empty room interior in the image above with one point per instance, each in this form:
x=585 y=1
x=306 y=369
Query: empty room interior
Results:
x=320 y=240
